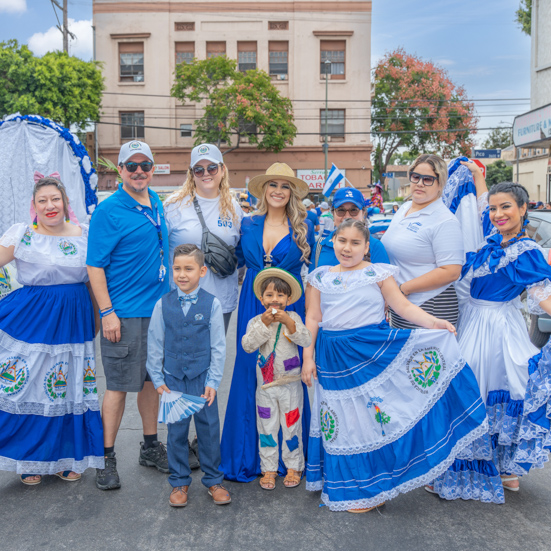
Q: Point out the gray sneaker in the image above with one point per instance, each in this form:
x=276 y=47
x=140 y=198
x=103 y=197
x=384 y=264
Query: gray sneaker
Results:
x=108 y=477
x=154 y=457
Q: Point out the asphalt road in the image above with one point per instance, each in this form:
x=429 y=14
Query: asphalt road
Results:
x=59 y=515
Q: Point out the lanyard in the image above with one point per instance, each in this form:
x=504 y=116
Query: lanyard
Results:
x=157 y=225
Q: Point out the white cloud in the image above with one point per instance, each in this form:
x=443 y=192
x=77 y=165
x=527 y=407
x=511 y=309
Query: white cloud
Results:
x=13 y=6
x=52 y=39
x=445 y=62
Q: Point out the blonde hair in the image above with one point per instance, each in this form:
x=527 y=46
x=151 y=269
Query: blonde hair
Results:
x=227 y=209
x=296 y=212
x=437 y=164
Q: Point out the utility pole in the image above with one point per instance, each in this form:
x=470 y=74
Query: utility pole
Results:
x=65 y=28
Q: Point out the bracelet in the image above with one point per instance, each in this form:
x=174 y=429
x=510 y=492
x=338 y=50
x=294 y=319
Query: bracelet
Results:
x=106 y=312
x=103 y=309
x=400 y=289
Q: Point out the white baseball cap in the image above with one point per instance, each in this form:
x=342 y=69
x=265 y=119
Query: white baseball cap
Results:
x=132 y=148
x=307 y=203
x=324 y=205
x=206 y=151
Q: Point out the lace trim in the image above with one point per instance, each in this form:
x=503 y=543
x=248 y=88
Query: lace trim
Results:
x=314 y=486
x=470 y=485
x=25 y=348
x=427 y=478
x=323 y=280
x=538 y=389
x=392 y=437
x=44 y=467
x=398 y=362
x=536 y=293
x=49 y=410
x=483 y=205
x=13 y=235
x=511 y=254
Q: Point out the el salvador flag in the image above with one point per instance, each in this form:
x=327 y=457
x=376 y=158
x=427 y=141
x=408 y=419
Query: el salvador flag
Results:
x=334 y=177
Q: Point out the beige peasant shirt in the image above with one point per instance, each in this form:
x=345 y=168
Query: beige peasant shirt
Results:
x=287 y=362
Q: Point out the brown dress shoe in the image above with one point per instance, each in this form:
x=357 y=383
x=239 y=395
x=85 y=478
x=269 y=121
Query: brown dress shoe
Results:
x=178 y=496
x=219 y=494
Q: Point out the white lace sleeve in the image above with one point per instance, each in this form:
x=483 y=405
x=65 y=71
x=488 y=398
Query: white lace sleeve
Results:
x=13 y=236
x=536 y=293
x=482 y=203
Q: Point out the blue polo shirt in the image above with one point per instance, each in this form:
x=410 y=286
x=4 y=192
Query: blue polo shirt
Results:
x=124 y=242
x=313 y=217
x=328 y=258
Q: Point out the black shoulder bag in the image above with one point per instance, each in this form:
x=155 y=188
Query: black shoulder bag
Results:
x=219 y=256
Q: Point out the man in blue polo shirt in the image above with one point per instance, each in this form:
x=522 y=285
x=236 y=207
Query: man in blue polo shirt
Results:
x=127 y=264
x=311 y=214
x=347 y=203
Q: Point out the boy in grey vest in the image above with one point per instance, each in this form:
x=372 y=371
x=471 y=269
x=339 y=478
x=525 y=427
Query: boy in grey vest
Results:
x=276 y=334
x=186 y=350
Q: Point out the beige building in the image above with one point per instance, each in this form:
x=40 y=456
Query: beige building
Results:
x=532 y=130
x=140 y=43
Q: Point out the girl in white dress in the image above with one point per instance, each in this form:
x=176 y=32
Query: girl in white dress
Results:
x=49 y=410
x=392 y=407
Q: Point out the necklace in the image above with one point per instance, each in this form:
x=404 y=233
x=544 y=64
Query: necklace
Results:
x=275 y=225
x=339 y=280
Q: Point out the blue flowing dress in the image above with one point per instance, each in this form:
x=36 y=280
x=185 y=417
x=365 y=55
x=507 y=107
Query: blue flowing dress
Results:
x=240 y=458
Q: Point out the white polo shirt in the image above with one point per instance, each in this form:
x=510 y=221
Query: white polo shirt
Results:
x=184 y=227
x=423 y=241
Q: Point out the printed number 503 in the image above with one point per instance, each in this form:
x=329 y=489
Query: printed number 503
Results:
x=225 y=223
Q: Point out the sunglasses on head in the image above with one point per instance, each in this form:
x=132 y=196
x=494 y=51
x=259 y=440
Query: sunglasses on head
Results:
x=211 y=169
x=353 y=211
x=424 y=179
x=146 y=166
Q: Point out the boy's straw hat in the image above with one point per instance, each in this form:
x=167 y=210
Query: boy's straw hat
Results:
x=296 y=289
x=278 y=171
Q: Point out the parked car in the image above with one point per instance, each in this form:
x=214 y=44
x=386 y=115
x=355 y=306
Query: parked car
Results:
x=378 y=224
x=539 y=229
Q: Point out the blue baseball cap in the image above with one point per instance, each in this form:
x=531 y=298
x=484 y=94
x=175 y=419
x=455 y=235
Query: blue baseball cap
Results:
x=348 y=195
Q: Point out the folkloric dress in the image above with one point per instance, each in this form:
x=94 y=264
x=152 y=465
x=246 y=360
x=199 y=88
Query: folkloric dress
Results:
x=49 y=411
x=392 y=407
x=513 y=375
x=239 y=446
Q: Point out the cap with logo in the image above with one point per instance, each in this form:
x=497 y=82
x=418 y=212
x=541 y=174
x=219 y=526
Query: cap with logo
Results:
x=348 y=195
x=205 y=151
x=307 y=203
x=132 y=148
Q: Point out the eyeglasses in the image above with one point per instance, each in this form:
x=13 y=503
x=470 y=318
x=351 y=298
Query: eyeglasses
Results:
x=146 y=166
x=353 y=211
x=425 y=179
x=211 y=169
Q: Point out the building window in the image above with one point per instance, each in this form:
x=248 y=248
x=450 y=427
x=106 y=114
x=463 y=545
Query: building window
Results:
x=186 y=131
x=246 y=56
x=279 y=59
x=132 y=126
x=335 y=123
x=215 y=49
x=185 y=52
x=333 y=51
x=247 y=127
x=131 y=62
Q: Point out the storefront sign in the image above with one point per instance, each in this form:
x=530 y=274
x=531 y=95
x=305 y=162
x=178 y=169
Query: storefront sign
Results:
x=315 y=178
x=162 y=169
x=532 y=127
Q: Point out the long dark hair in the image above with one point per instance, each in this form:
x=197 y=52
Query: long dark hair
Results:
x=519 y=193
x=359 y=225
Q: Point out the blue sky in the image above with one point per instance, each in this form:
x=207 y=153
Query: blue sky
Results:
x=476 y=41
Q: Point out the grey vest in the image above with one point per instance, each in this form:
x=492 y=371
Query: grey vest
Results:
x=187 y=338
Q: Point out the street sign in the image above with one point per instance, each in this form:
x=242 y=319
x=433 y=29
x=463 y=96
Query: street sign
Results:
x=486 y=153
x=162 y=169
x=388 y=174
x=315 y=178
x=482 y=166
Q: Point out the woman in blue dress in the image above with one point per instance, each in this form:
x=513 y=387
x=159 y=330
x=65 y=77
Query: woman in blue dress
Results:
x=514 y=377
x=277 y=234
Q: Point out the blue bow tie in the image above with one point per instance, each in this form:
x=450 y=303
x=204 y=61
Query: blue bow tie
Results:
x=192 y=299
x=492 y=251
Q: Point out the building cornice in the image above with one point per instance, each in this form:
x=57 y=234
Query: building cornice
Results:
x=130 y=35
x=333 y=33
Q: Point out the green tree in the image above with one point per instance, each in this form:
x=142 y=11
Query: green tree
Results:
x=237 y=104
x=58 y=86
x=498 y=138
x=498 y=172
x=403 y=158
x=524 y=16
x=417 y=107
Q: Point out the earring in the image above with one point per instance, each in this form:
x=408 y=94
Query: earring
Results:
x=35 y=222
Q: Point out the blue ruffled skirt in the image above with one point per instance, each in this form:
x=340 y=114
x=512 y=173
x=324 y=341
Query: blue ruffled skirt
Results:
x=49 y=412
x=392 y=409
x=517 y=390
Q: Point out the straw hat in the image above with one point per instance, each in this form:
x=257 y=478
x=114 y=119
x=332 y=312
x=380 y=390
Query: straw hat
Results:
x=266 y=273
x=278 y=171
